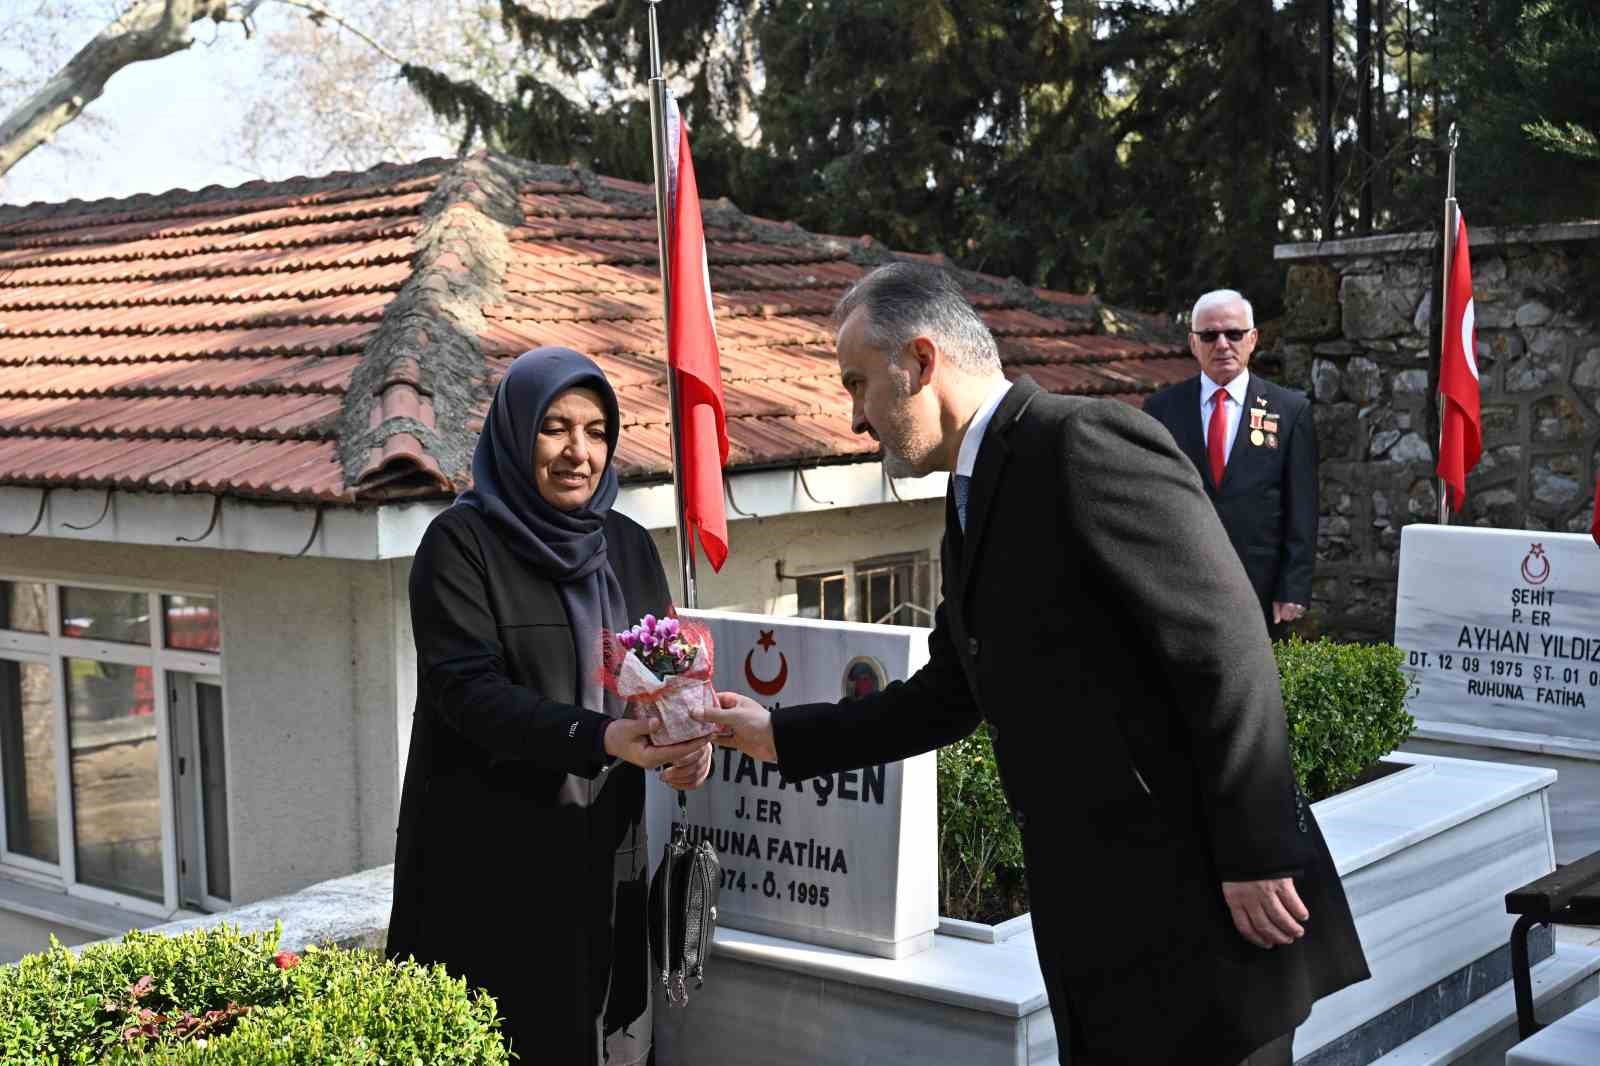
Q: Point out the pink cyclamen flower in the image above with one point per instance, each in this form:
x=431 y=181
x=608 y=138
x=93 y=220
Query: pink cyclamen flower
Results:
x=669 y=626
x=649 y=640
x=649 y=623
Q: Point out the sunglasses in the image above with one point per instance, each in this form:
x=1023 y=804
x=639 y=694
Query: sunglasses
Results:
x=1210 y=336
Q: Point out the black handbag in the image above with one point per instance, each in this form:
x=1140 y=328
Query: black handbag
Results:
x=683 y=910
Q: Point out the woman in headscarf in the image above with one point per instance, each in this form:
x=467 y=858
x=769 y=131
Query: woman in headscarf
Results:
x=521 y=857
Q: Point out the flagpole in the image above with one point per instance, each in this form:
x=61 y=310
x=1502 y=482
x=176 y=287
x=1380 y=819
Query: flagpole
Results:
x=659 y=152
x=1452 y=215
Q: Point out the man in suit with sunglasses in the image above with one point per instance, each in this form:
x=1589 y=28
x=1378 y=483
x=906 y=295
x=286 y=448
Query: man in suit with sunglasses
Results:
x=1255 y=445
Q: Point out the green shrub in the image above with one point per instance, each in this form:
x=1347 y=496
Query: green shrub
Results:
x=980 y=849
x=221 y=997
x=1346 y=709
x=1345 y=705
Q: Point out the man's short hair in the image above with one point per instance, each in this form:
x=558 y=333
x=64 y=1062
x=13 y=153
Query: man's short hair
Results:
x=1221 y=298
x=909 y=300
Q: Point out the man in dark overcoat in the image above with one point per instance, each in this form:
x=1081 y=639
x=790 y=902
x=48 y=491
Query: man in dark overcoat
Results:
x=1255 y=446
x=1185 y=907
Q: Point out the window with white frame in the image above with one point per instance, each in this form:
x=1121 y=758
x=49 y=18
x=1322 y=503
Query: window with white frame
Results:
x=895 y=590
x=112 y=743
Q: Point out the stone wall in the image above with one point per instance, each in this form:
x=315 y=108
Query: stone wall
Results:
x=1358 y=336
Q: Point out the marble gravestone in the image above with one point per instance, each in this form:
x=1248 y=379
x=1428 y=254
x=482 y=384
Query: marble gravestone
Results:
x=847 y=860
x=1501 y=631
x=1501 y=628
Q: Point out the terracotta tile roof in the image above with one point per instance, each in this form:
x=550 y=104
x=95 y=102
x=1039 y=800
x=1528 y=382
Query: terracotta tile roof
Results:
x=337 y=339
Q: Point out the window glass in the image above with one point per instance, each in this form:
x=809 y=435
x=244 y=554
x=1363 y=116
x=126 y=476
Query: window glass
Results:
x=24 y=606
x=116 y=791
x=893 y=593
x=820 y=596
x=191 y=623
x=101 y=614
x=28 y=760
x=213 y=789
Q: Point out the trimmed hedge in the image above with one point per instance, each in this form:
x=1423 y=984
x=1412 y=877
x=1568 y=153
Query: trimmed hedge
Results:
x=217 y=996
x=1345 y=706
x=1346 y=709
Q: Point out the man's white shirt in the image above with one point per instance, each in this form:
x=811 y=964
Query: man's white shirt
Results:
x=1236 y=392
x=967 y=457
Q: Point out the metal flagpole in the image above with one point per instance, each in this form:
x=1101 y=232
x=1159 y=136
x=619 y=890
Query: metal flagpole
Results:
x=659 y=151
x=1452 y=215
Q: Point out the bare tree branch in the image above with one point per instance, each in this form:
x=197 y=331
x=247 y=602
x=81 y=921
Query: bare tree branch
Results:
x=149 y=29
x=319 y=11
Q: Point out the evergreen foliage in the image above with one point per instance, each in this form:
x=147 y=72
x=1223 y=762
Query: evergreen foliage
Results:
x=1144 y=151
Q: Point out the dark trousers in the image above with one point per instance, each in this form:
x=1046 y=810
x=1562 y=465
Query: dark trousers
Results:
x=1278 y=1053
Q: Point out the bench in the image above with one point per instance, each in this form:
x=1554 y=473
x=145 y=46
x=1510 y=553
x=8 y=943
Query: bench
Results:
x=1569 y=896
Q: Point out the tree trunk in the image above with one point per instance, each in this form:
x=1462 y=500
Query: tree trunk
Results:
x=149 y=29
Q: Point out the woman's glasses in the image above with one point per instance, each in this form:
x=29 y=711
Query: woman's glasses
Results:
x=1210 y=336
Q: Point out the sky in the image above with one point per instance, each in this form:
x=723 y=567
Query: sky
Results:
x=165 y=127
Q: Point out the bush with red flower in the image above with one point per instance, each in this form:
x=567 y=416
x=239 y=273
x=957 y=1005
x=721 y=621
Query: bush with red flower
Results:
x=219 y=996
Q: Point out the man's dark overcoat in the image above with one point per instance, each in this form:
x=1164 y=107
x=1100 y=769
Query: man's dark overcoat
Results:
x=1268 y=497
x=1096 y=617
x=521 y=857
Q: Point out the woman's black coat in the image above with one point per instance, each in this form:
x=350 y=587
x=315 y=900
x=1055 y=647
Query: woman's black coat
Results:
x=521 y=857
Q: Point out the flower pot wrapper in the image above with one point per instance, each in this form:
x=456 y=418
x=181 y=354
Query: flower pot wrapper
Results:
x=662 y=668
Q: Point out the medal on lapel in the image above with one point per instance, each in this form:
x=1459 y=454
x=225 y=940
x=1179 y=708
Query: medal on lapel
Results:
x=1263 y=425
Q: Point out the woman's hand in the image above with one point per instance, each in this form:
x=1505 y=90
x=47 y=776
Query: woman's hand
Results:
x=628 y=739
x=692 y=772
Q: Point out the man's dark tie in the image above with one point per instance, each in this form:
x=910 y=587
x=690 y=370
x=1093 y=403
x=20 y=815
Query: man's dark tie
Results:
x=963 y=488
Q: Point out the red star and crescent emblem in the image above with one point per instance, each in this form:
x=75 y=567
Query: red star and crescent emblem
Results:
x=1536 y=566
x=766 y=686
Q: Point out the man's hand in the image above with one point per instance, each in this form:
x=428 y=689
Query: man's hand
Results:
x=1266 y=913
x=692 y=772
x=746 y=725
x=628 y=739
x=1286 y=612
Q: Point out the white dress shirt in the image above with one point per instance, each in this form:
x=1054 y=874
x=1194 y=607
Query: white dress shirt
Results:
x=967 y=458
x=1236 y=392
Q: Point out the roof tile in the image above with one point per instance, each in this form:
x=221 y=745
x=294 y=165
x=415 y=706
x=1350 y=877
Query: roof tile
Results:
x=208 y=341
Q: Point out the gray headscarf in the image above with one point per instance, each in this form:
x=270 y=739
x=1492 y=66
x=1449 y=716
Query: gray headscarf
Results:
x=568 y=547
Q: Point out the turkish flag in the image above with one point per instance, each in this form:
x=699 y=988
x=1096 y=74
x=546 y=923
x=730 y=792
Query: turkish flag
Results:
x=692 y=353
x=1461 y=441
x=1594 y=523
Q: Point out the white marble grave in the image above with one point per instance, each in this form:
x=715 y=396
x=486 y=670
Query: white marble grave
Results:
x=1427 y=855
x=1573 y=1041
x=846 y=860
x=1501 y=630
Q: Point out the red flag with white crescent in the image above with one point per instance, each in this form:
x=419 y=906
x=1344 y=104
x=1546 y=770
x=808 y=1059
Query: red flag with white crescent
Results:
x=692 y=352
x=1594 y=523
x=1461 y=439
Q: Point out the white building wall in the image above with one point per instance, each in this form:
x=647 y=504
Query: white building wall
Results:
x=804 y=543
x=316 y=670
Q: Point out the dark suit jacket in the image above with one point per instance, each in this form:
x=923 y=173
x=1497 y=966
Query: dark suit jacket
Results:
x=521 y=855
x=1268 y=497
x=1093 y=614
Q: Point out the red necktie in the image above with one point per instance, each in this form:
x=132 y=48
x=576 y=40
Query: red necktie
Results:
x=1217 y=436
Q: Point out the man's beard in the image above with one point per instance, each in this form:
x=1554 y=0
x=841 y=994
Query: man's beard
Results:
x=897 y=465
